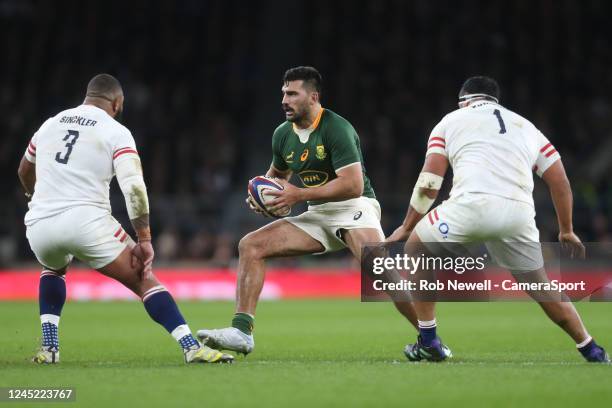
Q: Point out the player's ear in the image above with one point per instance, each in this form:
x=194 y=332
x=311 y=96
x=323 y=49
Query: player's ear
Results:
x=314 y=97
x=117 y=104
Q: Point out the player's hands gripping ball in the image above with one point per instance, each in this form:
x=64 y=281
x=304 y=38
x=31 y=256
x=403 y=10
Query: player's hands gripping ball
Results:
x=262 y=198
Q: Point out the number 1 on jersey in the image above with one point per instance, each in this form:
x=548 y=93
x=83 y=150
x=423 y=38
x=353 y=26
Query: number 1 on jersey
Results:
x=502 y=125
x=69 y=145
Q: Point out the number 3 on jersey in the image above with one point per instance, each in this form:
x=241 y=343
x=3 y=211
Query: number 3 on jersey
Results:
x=58 y=156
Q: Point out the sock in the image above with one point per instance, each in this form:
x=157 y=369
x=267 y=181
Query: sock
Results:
x=163 y=309
x=427 y=330
x=183 y=335
x=587 y=346
x=51 y=299
x=243 y=322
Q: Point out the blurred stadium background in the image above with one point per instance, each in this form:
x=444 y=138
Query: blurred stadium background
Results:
x=202 y=84
x=202 y=80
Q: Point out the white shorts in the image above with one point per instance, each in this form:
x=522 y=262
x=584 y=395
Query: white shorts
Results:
x=88 y=233
x=507 y=227
x=324 y=222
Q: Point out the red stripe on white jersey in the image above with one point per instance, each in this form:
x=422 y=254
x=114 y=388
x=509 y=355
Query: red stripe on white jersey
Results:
x=436 y=145
x=118 y=232
x=542 y=150
x=123 y=150
x=123 y=237
x=431 y=139
x=550 y=153
x=32 y=146
x=435 y=211
x=33 y=153
x=431 y=221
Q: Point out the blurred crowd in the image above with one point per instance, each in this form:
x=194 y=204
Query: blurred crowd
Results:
x=192 y=73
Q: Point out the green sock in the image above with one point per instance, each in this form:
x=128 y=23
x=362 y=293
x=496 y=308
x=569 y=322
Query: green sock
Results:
x=243 y=322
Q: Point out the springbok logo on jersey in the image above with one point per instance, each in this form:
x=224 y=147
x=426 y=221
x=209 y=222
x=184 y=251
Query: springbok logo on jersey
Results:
x=321 y=152
x=289 y=158
x=313 y=178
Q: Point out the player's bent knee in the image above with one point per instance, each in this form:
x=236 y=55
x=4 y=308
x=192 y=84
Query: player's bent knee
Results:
x=251 y=247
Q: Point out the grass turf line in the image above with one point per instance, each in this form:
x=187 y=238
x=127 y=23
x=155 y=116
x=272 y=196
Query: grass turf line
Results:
x=312 y=353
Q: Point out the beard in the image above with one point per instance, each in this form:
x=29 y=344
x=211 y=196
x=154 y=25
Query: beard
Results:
x=297 y=115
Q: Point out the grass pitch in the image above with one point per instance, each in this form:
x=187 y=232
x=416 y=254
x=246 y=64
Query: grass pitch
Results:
x=312 y=353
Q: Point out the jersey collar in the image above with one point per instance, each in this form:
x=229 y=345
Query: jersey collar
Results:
x=314 y=125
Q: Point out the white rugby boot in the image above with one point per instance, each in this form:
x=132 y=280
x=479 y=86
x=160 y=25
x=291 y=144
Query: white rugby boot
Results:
x=47 y=355
x=229 y=338
x=204 y=354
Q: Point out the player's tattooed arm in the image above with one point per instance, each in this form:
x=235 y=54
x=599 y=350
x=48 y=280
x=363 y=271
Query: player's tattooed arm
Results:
x=425 y=192
x=131 y=182
x=27 y=176
x=142 y=227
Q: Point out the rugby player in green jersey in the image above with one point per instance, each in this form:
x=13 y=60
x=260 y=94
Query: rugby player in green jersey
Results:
x=322 y=149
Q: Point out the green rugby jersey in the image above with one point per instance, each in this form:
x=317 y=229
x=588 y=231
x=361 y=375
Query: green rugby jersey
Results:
x=333 y=144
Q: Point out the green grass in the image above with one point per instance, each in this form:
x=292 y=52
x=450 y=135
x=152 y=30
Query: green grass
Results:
x=312 y=353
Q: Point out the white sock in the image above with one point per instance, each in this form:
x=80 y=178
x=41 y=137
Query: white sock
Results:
x=585 y=342
x=50 y=318
x=180 y=332
x=427 y=324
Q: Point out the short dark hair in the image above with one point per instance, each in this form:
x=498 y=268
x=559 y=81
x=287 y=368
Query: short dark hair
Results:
x=309 y=75
x=480 y=85
x=104 y=86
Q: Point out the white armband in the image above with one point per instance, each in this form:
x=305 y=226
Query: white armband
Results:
x=131 y=182
x=429 y=181
x=419 y=201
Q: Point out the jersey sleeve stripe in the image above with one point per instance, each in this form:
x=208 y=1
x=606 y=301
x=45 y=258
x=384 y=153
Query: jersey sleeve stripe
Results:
x=118 y=232
x=123 y=237
x=431 y=139
x=435 y=145
x=348 y=165
x=31 y=145
x=431 y=221
x=542 y=150
x=124 y=151
x=32 y=152
x=550 y=153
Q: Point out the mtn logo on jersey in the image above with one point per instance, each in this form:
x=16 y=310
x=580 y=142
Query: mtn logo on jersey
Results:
x=313 y=178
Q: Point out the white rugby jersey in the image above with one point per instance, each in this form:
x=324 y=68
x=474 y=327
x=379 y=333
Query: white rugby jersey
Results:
x=75 y=153
x=492 y=150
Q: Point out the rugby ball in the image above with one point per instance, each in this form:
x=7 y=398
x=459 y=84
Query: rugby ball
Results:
x=258 y=186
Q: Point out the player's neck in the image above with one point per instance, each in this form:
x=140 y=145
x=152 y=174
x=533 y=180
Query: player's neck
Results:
x=310 y=119
x=101 y=104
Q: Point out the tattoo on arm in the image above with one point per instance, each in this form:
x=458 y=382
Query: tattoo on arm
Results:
x=142 y=228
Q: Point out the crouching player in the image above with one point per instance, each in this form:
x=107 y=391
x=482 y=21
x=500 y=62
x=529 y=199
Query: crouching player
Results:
x=493 y=153
x=66 y=171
